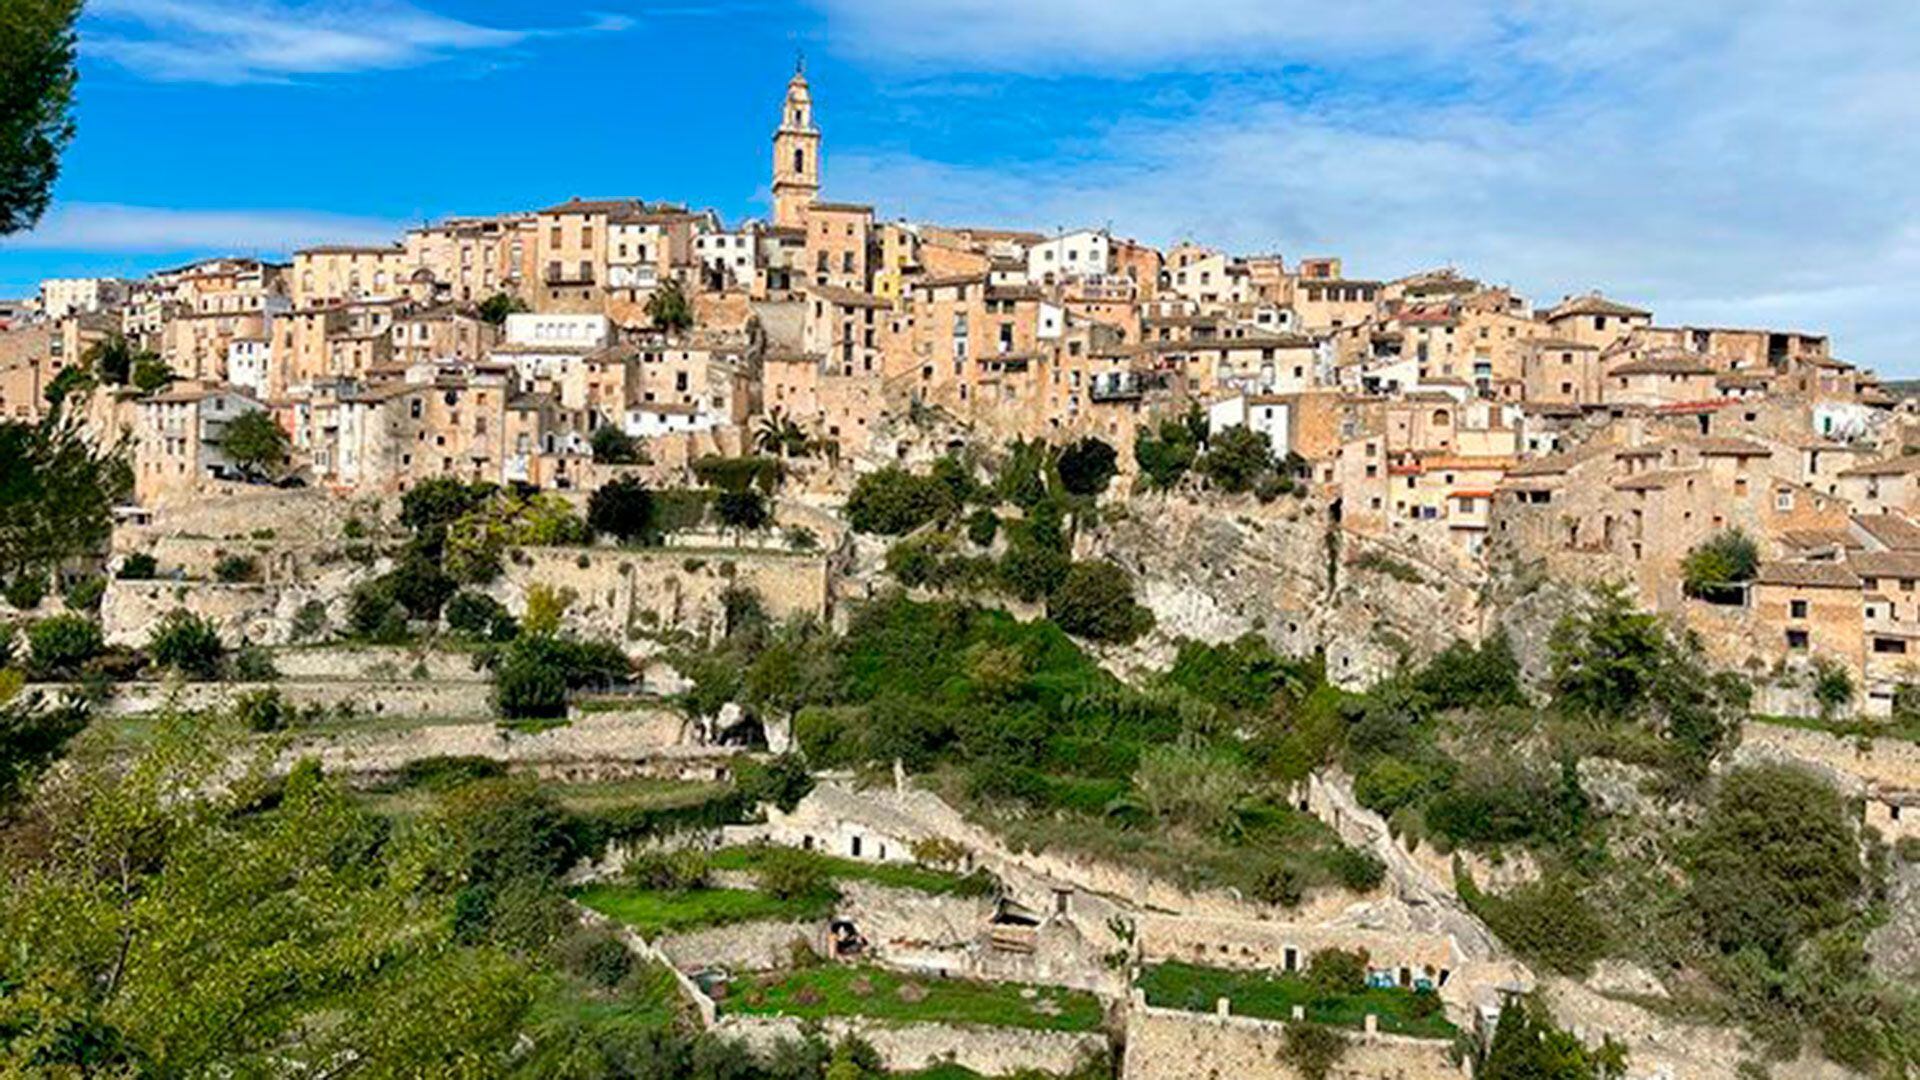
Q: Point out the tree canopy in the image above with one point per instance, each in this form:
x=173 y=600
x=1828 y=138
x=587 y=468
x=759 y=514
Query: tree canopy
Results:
x=37 y=76
x=57 y=494
x=255 y=443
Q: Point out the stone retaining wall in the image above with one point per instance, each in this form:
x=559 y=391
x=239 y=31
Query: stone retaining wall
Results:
x=1163 y=1044
x=907 y=1047
x=748 y=946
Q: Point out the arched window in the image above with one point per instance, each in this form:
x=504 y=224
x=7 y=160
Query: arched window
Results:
x=1440 y=418
x=799 y=160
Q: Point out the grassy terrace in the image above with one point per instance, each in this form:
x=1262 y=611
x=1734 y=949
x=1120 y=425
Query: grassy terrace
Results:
x=893 y=875
x=1185 y=986
x=596 y=797
x=837 y=990
x=1893 y=727
x=653 y=913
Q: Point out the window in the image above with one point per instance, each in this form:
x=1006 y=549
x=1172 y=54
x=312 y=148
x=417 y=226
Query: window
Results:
x=1797 y=609
x=1783 y=500
x=1890 y=646
x=800 y=164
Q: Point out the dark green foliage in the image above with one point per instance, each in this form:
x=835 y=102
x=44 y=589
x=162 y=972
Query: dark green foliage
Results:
x=26 y=590
x=1336 y=972
x=421 y=587
x=57 y=492
x=669 y=308
x=982 y=526
x=678 y=870
x=1236 y=459
x=742 y=510
x=495 y=309
x=1832 y=687
x=534 y=673
x=1022 y=479
x=597 y=955
x=37 y=75
x=444 y=773
x=611 y=446
x=1086 y=466
x=1527 y=1046
x=959 y=480
x=1244 y=675
x=33 y=733
x=236 y=568
x=1775 y=863
x=1719 y=564
x=263 y=710
x=1612 y=662
x=481 y=617
x=151 y=375
x=61 y=644
x=1465 y=676
x=680 y=509
x=1095 y=600
x=374 y=612
x=621 y=508
x=761 y=474
x=73 y=379
x=186 y=643
x=892 y=501
x=788 y=874
x=1313 y=1049
x=1165 y=457
x=1030 y=569
x=85 y=593
x=782 y=781
x=1547 y=922
x=251 y=663
x=255 y=442
x=138 y=566
x=433 y=505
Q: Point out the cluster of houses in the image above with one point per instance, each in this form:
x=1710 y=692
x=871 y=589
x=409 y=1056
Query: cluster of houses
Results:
x=1434 y=410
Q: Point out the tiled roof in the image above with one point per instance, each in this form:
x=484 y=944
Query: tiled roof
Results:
x=1817 y=575
x=1891 y=531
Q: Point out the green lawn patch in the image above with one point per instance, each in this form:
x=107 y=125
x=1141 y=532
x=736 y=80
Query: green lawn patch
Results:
x=839 y=990
x=653 y=913
x=1186 y=986
x=893 y=875
x=648 y=999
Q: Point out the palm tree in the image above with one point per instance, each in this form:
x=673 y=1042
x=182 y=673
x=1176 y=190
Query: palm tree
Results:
x=778 y=434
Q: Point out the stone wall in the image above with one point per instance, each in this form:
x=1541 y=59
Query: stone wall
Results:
x=748 y=946
x=362 y=662
x=1164 y=1044
x=391 y=700
x=261 y=614
x=233 y=511
x=989 y=1051
x=624 y=594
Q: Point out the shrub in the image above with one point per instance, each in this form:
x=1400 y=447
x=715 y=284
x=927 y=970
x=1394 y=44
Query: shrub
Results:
x=915 y=561
x=1312 y=1049
x=611 y=446
x=982 y=526
x=374 y=612
x=892 y=501
x=1719 y=563
x=479 y=616
x=1194 y=786
x=1356 y=870
x=1389 y=784
x=1165 y=457
x=1236 y=458
x=745 y=511
x=188 y=644
x=622 y=508
x=26 y=590
x=1547 y=922
x=1086 y=466
x=60 y=645
x=236 y=568
x=1095 y=600
x=1468 y=676
x=782 y=781
x=667 y=871
x=138 y=566
x=310 y=621
x=1775 y=862
x=787 y=874
x=597 y=954
x=1336 y=973
x=262 y=710
x=253 y=664
x=446 y=772
x=1832 y=687
x=739 y=473
x=1030 y=570
x=1279 y=883
x=85 y=593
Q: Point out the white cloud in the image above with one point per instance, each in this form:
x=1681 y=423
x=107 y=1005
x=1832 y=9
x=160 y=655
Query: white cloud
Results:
x=239 y=41
x=1720 y=162
x=110 y=227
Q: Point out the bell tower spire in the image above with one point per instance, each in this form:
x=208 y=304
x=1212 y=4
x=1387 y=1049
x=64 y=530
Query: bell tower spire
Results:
x=796 y=153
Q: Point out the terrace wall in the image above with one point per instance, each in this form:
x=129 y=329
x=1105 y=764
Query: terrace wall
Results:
x=989 y=1051
x=1165 y=1043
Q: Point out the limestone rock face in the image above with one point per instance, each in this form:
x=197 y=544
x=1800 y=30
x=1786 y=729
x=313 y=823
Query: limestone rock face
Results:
x=1893 y=950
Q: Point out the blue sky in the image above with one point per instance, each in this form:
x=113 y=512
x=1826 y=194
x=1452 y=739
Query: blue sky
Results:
x=1722 y=162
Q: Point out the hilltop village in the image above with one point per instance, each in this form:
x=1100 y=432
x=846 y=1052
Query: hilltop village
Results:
x=1013 y=652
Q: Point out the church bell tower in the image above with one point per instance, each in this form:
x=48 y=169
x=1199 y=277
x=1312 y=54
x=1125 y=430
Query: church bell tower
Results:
x=796 y=155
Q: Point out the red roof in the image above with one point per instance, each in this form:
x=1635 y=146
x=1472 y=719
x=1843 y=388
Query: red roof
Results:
x=1690 y=407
